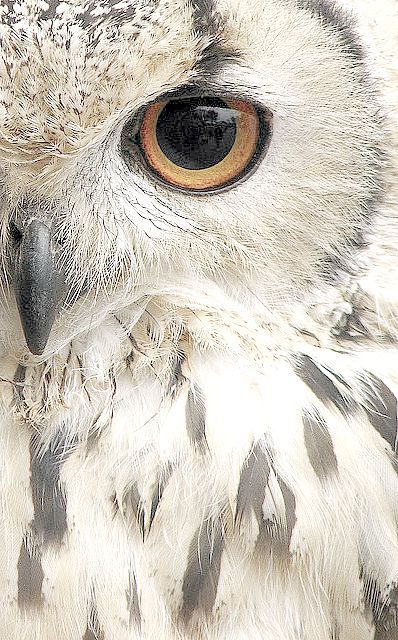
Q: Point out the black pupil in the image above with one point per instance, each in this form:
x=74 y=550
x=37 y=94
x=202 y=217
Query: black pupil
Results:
x=196 y=133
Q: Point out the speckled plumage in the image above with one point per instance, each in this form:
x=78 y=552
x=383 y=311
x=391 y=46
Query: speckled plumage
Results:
x=207 y=448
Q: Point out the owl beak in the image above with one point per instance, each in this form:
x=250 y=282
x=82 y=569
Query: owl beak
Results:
x=39 y=285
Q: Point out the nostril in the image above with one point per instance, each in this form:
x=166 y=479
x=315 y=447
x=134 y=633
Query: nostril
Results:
x=15 y=233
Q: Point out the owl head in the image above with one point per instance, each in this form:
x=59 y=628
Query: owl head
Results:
x=204 y=151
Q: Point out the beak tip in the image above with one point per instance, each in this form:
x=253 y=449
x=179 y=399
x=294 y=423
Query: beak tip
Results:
x=36 y=340
x=36 y=322
x=36 y=350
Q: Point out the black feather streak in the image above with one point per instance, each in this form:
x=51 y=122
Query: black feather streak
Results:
x=321 y=385
x=204 y=12
x=133 y=603
x=341 y=21
x=382 y=410
x=158 y=494
x=30 y=575
x=335 y=634
x=385 y=611
x=319 y=445
x=94 y=630
x=252 y=485
x=177 y=377
x=386 y=622
x=389 y=634
x=203 y=571
x=207 y=21
x=49 y=501
x=344 y=26
x=132 y=503
x=290 y=508
x=19 y=379
x=195 y=415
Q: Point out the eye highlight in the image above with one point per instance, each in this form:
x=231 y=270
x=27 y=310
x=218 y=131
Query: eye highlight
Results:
x=203 y=144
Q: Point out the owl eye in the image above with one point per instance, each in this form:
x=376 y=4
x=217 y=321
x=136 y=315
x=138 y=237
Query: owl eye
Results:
x=203 y=144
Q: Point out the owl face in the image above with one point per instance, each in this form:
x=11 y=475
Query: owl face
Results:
x=194 y=150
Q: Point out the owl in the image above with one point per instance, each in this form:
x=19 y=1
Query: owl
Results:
x=198 y=320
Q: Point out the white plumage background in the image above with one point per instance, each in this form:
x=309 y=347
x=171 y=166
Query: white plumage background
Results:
x=205 y=445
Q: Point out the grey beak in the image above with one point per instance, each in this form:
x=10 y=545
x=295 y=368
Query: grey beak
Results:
x=39 y=285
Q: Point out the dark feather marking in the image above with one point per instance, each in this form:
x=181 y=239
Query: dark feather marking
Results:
x=201 y=577
x=213 y=59
x=195 y=415
x=19 y=379
x=96 y=429
x=177 y=378
x=94 y=630
x=117 y=15
x=48 y=497
x=319 y=445
x=252 y=485
x=133 y=603
x=93 y=434
x=208 y=21
x=290 y=508
x=386 y=619
x=160 y=487
x=65 y=371
x=371 y=592
x=387 y=623
x=335 y=634
x=50 y=13
x=132 y=504
x=321 y=385
x=204 y=16
x=341 y=21
x=30 y=575
x=135 y=345
x=391 y=634
x=394 y=595
x=47 y=378
x=83 y=377
x=114 y=504
x=344 y=26
x=131 y=338
x=114 y=391
x=382 y=410
x=385 y=611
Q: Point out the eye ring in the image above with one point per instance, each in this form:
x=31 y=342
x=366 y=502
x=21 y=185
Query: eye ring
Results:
x=203 y=145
